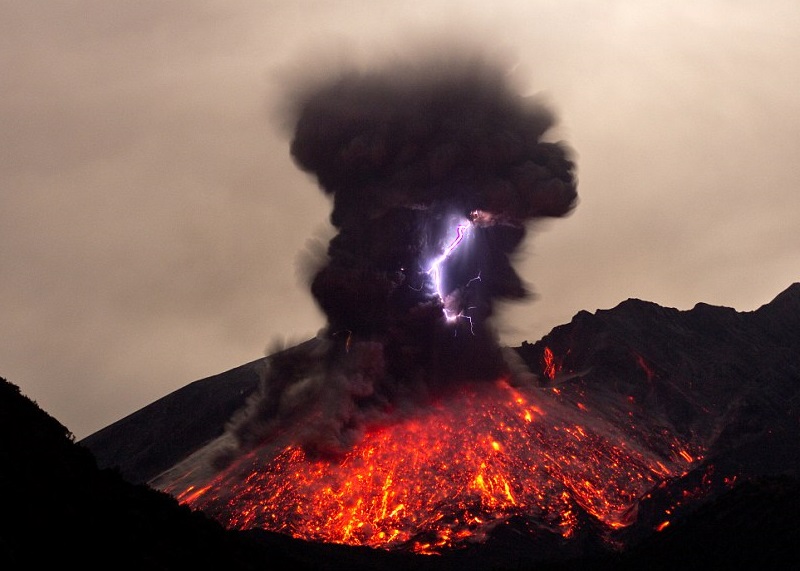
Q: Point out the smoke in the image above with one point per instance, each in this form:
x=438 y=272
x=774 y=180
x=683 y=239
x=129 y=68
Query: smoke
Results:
x=435 y=171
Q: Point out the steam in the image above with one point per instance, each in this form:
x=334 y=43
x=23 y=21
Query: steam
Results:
x=415 y=158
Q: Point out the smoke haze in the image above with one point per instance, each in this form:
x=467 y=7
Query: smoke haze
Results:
x=151 y=215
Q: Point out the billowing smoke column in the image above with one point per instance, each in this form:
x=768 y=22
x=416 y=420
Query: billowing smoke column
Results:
x=434 y=174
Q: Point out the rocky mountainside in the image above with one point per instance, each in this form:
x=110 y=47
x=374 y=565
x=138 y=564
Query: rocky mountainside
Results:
x=726 y=382
x=724 y=378
x=59 y=508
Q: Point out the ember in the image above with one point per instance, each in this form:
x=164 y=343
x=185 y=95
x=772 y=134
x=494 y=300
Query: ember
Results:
x=446 y=475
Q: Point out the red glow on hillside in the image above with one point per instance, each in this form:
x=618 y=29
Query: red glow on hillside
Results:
x=644 y=366
x=550 y=369
x=445 y=475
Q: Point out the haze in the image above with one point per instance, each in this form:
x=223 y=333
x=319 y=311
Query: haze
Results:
x=152 y=222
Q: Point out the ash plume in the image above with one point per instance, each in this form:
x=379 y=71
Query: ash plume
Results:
x=435 y=172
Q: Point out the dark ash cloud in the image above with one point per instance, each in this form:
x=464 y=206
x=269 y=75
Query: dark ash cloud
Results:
x=435 y=172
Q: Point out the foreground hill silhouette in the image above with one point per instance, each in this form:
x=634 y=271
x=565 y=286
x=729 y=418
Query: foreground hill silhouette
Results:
x=60 y=509
x=68 y=504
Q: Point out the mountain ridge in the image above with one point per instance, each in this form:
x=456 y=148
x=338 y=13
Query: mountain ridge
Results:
x=151 y=439
x=79 y=501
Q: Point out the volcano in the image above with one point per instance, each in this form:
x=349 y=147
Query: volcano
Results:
x=633 y=419
x=405 y=426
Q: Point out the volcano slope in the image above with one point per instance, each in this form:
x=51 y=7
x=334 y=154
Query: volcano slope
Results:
x=722 y=383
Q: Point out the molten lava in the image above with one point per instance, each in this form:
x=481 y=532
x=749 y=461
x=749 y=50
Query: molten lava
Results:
x=447 y=474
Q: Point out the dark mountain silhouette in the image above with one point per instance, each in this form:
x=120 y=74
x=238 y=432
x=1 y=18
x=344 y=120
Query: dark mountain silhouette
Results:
x=60 y=509
x=725 y=379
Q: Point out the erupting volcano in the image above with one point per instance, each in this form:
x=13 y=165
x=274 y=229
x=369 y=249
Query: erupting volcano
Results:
x=406 y=424
x=447 y=474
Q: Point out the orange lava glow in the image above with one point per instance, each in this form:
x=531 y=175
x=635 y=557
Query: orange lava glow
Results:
x=550 y=368
x=445 y=475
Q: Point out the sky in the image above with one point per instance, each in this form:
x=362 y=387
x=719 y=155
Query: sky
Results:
x=153 y=223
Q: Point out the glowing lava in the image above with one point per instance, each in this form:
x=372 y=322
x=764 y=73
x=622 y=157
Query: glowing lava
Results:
x=445 y=475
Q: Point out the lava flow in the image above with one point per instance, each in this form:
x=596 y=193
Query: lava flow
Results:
x=446 y=475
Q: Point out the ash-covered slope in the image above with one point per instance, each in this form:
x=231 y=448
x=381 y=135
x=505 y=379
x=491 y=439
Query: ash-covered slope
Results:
x=726 y=381
x=153 y=438
x=724 y=378
x=728 y=378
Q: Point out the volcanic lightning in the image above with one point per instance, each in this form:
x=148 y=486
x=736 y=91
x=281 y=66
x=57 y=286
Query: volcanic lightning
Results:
x=436 y=269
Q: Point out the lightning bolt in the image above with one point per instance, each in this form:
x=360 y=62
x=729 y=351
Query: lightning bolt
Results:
x=435 y=270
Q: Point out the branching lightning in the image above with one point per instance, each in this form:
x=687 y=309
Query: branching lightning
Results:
x=435 y=271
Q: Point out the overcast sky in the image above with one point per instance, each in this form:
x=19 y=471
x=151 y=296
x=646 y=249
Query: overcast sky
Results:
x=152 y=219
